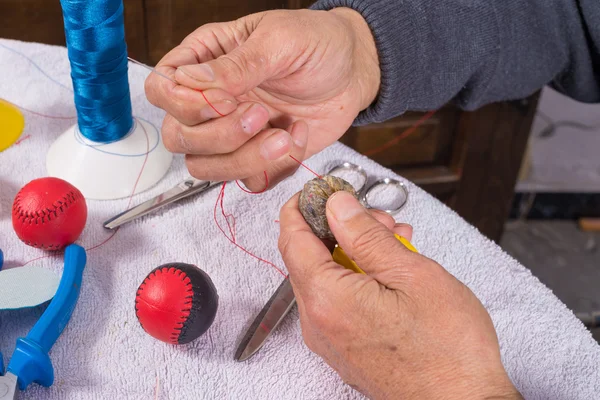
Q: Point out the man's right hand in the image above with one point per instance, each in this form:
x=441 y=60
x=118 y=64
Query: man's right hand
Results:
x=407 y=329
x=281 y=82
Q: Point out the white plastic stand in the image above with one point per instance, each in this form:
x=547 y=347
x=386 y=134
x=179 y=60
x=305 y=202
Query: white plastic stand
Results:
x=110 y=171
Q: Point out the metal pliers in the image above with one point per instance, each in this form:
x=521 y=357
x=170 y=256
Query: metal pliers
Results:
x=30 y=361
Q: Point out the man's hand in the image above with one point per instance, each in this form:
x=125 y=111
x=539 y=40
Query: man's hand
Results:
x=270 y=79
x=407 y=329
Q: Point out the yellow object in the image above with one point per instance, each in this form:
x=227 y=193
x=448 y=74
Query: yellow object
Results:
x=12 y=123
x=340 y=257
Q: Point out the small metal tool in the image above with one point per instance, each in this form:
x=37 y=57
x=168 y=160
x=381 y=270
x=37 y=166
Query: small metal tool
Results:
x=149 y=68
x=185 y=188
x=278 y=306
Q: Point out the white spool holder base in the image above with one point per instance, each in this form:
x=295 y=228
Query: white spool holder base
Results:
x=110 y=171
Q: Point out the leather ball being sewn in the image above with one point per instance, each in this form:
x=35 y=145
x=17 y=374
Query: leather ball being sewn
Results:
x=49 y=213
x=176 y=303
x=313 y=202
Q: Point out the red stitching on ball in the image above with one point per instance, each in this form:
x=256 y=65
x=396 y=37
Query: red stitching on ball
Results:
x=40 y=216
x=42 y=246
x=179 y=326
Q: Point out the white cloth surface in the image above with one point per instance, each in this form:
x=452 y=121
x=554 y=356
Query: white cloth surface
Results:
x=104 y=354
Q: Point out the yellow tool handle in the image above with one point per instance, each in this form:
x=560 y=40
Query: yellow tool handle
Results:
x=340 y=257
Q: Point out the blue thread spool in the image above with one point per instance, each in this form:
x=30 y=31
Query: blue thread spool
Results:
x=95 y=34
x=107 y=153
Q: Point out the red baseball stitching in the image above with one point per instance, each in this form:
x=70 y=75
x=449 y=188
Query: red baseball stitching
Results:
x=189 y=290
x=28 y=217
x=177 y=328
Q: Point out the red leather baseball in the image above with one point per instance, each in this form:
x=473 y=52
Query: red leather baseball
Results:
x=49 y=213
x=176 y=303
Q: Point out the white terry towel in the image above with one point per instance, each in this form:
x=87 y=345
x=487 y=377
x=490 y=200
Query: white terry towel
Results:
x=105 y=354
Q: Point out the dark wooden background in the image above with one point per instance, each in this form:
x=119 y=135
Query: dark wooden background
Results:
x=469 y=160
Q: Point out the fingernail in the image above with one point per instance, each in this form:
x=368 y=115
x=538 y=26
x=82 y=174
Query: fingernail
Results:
x=276 y=146
x=223 y=107
x=254 y=118
x=300 y=136
x=344 y=206
x=199 y=72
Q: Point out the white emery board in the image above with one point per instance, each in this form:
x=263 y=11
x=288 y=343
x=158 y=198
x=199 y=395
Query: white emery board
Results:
x=28 y=286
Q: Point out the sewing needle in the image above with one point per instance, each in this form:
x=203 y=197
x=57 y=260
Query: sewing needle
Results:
x=152 y=70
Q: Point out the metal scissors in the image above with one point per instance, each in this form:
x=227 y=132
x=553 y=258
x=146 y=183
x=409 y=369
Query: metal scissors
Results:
x=367 y=187
x=283 y=299
x=30 y=361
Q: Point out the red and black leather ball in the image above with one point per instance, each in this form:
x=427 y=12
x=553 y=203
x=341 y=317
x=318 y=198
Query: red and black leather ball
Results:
x=176 y=303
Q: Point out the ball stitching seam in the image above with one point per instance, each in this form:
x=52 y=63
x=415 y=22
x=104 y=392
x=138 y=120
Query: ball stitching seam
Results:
x=179 y=325
x=28 y=217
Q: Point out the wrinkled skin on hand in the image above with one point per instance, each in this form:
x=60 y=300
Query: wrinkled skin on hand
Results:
x=407 y=329
x=274 y=84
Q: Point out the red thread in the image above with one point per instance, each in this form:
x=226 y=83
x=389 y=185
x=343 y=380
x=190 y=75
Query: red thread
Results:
x=132 y=191
x=128 y=204
x=227 y=216
x=232 y=240
x=403 y=135
x=262 y=191
x=18 y=142
x=301 y=163
x=209 y=103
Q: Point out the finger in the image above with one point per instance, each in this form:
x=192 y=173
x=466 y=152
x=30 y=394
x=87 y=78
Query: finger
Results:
x=383 y=217
x=208 y=42
x=164 y=72
x=303 y=253
x=165 y=69
x=278 y=171
x=205 y=43
x=219 y=136
x=269 y=147
x=187 y=105
x=236 y=72
x=190 y=107
x=367 y=241
x=404 y=230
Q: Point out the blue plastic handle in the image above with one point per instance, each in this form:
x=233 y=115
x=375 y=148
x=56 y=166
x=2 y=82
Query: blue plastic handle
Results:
x=30 y=361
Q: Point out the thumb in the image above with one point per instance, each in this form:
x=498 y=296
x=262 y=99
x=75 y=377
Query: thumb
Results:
x=368 y=242
x=236 y=72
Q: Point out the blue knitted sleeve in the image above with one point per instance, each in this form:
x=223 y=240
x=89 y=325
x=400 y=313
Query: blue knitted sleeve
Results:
x=475 y=52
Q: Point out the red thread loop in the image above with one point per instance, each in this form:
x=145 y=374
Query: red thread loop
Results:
x=262 y=191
